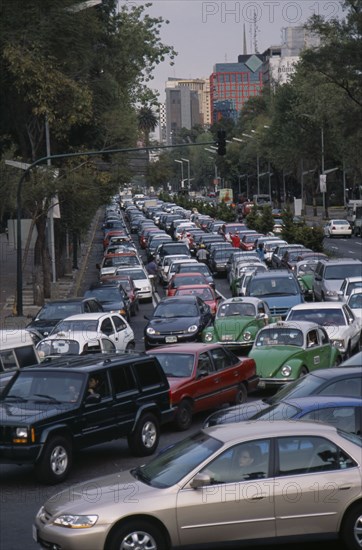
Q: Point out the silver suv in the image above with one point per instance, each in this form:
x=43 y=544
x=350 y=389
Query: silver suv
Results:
x=330 y=274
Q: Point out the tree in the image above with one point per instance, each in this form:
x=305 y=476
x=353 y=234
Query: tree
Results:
x=147 y=123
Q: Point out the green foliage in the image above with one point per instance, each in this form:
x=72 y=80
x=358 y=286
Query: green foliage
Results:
x=252 y=219
x=266 y=220
x=288 y=230
x=310 y=237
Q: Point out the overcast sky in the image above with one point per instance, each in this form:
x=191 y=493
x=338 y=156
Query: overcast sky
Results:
x=208 y=32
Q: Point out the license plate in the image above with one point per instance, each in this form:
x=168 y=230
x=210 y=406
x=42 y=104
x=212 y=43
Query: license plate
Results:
x=170 y=339
x=35 y=534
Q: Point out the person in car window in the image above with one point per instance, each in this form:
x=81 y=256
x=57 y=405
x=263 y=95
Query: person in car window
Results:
x=93 y=385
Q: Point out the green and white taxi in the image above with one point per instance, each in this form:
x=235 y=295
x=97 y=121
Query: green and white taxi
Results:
x=287 y=350
x=237 y=322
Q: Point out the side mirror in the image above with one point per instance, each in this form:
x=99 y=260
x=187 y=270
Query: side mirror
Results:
x=200 y=480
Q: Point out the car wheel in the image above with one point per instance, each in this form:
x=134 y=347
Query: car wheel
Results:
x=241 y=395
x=55 y=461
x=145 y=437
x=303 y=371
x=351 y=532
x=140 y=534
x=131 y=346
x=183 y=417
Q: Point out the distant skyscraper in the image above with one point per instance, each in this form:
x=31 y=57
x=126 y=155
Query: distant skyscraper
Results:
x=162 y=123
x=187 y=104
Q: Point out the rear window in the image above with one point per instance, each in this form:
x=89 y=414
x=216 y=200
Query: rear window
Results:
x=148 y=374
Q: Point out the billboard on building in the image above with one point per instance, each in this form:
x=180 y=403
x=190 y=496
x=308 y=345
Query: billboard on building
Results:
x=226 y=195
x=282 y=68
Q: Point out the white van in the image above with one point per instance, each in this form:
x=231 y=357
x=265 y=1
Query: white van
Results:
x=262 y=200
x=17 y=350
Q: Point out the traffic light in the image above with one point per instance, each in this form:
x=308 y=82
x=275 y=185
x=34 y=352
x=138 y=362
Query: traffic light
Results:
x=221 y=142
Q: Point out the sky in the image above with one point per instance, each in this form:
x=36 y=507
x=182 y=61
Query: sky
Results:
x=205 y=32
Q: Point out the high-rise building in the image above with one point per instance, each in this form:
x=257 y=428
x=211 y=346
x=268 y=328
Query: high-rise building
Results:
x=162 y=123
x=280 y=61
x=187 y=104
x=232 y=84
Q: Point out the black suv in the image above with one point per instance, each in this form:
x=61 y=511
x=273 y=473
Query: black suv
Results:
x=48 y=412
x=57 y=310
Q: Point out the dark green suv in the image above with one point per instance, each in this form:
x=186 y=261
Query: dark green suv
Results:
x=48 y=412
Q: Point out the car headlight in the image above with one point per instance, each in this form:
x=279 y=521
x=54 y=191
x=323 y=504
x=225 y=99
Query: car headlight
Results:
x=208 y=337
x=247 y=336
x=192 y=328
x=76 y=522
x=21 y=432
x=150 y=330
x=286 y=370
x=331 y=292
x=147 y=288
x=338 y=344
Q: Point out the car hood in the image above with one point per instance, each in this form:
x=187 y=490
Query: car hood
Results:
x=23 y=414
x=234 y=326
x=269 y=359
x=173 y=323
x=236 y=414
x=44 y=326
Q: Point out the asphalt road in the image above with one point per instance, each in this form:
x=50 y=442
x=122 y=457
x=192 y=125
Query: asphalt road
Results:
x=21 y=496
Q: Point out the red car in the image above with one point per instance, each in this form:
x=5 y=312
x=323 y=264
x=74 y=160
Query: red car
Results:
x=181 y=279
x=203 y=377
x=248 y=241
x=113 y=233
x=206 y=293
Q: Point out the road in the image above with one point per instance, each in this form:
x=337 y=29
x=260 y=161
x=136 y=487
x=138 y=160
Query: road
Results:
x=21 y=496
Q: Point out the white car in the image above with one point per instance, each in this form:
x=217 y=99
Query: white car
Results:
x=165 y=266
x=94 y=325
x=174 y=263
x=338 y=228
x=355 y=303
x=348 y=285
x=339 y=321
x=141 y=280
x=77 y=343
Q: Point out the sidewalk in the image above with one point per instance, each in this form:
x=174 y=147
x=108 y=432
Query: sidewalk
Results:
x=64 y=287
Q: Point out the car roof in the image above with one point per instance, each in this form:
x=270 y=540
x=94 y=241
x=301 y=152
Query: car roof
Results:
x=322 y=401
x=171 y=299
x=229 y=433
x=183 y=348
x=276 y=273
x=304 y=326
x=77 y=335
x=319 y=305
x=89 y=316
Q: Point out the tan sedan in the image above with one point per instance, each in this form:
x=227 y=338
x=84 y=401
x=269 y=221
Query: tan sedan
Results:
x=229 y=483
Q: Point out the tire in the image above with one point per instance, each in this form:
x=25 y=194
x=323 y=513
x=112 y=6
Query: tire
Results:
x=242 y=395
x=183 y=419
x=55 y=461
x=351 y=531
x=140 y=534
x=145 y=438
x=130 y=346
x=303 y=371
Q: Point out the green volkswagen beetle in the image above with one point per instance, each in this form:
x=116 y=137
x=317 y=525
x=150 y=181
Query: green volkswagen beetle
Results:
x=304 y=271
x=237 y=322
x=287 y=350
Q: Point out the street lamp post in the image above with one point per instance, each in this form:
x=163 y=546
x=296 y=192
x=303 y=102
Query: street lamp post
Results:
x=182 y=172
x=188 y=171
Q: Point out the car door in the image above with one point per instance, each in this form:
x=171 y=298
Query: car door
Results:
x=326 y=349
x=354 y=327
x=314 y=480
x=231 y=508
x=229 y=374
x=206 y=385
x=107 y=327
x=124 y=333
x=97 y=421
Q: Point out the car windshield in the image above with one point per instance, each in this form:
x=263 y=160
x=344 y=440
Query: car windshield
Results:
x=174 y=462
x=58 y=347
x=325 y=317
x=197 y=268
x=278 y=286
x=194 y=279
x=355 y=301
x=105 y=294
x=307 y=268
x=235 y=309
x=137 y=275
x=279 y=337
x=204 y=293
x=120 y=260
x=342 y=271
x=88 y=325
x=168 y=311
x=302 y=387
x=177 y=365
x=47 y=387
x=280 y=411
x=58 y=311
x=351 y=286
